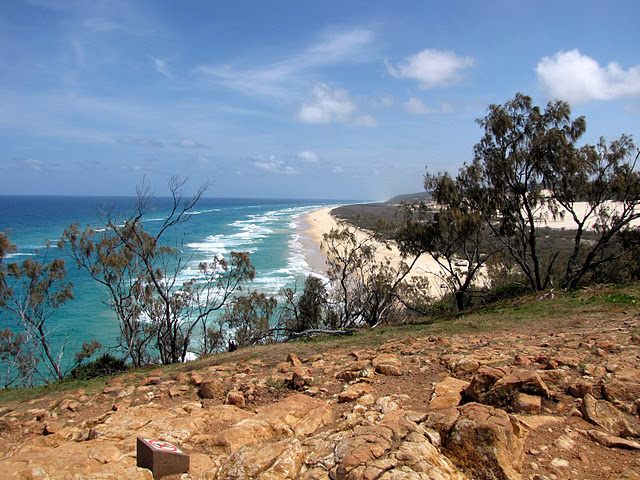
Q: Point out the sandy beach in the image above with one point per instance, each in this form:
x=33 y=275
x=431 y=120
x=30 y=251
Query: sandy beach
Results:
x=318 y=222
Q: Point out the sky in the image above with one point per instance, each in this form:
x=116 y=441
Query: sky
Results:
x=291 y=99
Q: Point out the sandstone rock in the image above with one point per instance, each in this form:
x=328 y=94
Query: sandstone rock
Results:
x=482 y=381
x=443 y=420
x=294 y=360
x=105 y=453
x=506 y=389
x=612 y=441
x=354 y=392
x=387 y=364
x=195 y=378
x=627 y=391
x=299 y=379
x=447 y=393
x=485 y=443
x=522 y=360
x=281 y=460
x=580 y=388
x=236 y=398
x=524 y=403
x=607 y=416
x=295 y=415
x=211 y=389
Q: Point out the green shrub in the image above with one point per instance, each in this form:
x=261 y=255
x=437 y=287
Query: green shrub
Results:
x=105 y=365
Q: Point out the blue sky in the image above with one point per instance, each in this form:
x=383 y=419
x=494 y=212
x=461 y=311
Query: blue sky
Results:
x=331 y=99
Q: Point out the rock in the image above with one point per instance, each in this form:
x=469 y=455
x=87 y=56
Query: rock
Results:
x=211 y=389
x=522 y=360
x=443 y=420
x=485 y=443
x=195 y=378
x=299 y=379
x=236 y=398
x=564 y=442
x=507 y=388
x=482 y=381
x=580 y=388
x=387 y=364
x=607 y=416
x=628 y=391
x=525 y=403
x=464 y=365
x=294 y=360
x=611 y=441
x=447 y=393
x=295 y=415
x=354 y=392
x=105 y=453
x=559 y=463
x=279 y=460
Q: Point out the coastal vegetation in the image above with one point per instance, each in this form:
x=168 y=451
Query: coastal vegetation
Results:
x=486 y=229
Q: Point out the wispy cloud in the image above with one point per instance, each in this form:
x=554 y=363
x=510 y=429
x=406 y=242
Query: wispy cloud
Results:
x=365 y=121
x=308 y=156
x=139 y=142
x=418 y=107
x=280 y=77
x=432 y=68
x=578 y=78
x=162 y=67
x=189 y=143
x=274 y=165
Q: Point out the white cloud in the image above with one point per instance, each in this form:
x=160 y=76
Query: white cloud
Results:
x=338 y=169
x=189 y=143
x=308 y=156
x=418 y=107
x=327 y=106
x=432 y=68
x=274 y=165
x=366 y=121
x=162 y=67
x=279 y=78
x=578 y=78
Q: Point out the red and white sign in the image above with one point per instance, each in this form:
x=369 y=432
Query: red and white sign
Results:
x=162 y=446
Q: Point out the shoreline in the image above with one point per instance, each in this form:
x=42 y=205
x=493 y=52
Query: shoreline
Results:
x=320 y=221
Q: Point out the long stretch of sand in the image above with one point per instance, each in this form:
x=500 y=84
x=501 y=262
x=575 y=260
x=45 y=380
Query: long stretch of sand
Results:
x=318 y=222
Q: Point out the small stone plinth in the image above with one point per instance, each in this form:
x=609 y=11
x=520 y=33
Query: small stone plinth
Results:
x=162 y=458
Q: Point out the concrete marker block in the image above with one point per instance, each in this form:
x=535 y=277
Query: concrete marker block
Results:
x=162 y=458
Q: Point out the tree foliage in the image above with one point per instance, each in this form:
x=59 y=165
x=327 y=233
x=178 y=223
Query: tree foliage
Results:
x=30 y=293
x=528 y=169
x=366 y=285
x=157 y=312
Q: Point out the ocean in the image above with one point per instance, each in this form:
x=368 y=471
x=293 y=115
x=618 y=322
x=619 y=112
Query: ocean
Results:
x=269 y=229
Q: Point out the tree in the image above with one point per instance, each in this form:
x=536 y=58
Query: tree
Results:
x=308 y=311
x=527 y=169
x=365 y=284
x=251 y=317
x=30 y=294
x=454 y=234
x=155 y=310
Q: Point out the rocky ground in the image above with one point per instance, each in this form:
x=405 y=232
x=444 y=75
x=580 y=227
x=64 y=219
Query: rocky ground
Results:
x=558 y=401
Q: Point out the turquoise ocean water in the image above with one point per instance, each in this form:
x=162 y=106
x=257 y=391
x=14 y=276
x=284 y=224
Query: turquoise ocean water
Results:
x=271 y=230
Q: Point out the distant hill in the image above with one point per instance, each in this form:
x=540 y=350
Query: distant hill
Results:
x=410 y=198
x=380 y=216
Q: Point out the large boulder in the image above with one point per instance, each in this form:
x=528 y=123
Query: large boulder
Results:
x=486 y=443
x=607 y=416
